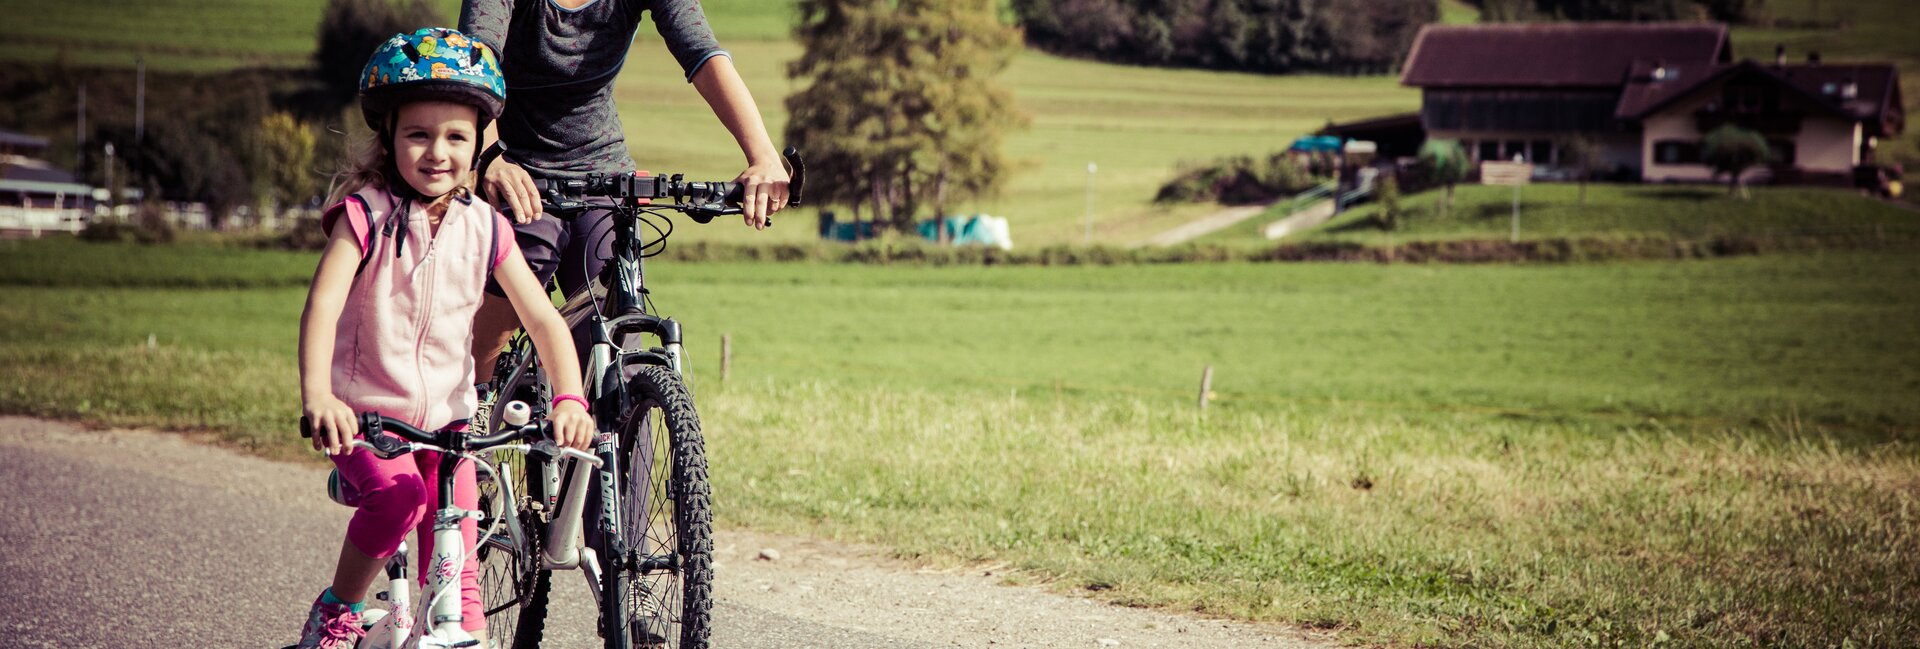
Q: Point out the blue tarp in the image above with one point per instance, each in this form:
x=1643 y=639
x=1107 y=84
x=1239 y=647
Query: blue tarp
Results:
x=1318 y=143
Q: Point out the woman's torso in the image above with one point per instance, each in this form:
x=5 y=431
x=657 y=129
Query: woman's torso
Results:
x=561 y=63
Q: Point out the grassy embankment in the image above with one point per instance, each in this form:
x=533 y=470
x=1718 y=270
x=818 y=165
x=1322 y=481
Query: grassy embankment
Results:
x=1711 y=453
x=1554 y=211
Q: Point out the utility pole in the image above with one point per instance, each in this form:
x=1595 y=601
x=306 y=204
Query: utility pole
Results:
x=80 y=126
x=140 y=100
x=1091 y=169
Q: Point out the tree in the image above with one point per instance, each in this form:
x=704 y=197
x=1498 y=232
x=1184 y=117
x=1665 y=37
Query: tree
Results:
x=1581 y=153
x=349 y=32
x=1387 y=193
x=283 y=149
x=900 y=109
x=1446 y=164
x=1731 y=150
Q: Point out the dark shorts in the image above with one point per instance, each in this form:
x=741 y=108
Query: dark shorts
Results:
x=576 y=249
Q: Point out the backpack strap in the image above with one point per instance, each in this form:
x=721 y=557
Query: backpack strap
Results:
x=502 y=242
x=359 y=218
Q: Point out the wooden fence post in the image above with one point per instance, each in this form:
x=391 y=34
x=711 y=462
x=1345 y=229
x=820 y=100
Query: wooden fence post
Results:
x=726 y=356
x=1206 y=386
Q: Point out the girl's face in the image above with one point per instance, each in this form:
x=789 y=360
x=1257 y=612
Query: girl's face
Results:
x=433 y=144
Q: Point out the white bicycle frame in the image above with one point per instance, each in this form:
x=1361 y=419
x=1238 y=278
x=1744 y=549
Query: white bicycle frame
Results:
x=396 y=628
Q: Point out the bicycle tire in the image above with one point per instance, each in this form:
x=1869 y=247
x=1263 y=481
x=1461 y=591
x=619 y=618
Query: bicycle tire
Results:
x=513 y=587
x=660 y=596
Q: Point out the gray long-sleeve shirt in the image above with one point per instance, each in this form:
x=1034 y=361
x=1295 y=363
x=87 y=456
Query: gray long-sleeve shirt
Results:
x=560 y=64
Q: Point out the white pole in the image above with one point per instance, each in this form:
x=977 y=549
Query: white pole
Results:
x=111 y=198
x=1515 y=238
x=1091 y=170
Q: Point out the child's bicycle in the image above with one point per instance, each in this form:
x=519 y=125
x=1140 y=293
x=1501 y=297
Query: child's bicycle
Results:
x=394 y=627
x=647 y=547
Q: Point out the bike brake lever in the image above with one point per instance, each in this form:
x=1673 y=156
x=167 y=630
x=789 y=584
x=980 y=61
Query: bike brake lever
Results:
x=551 y=449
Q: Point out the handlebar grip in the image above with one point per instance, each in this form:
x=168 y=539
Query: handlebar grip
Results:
x=306 y=427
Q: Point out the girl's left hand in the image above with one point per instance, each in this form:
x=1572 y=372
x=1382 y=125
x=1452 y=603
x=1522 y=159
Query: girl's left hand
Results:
x=766 y=192
x=572 y=426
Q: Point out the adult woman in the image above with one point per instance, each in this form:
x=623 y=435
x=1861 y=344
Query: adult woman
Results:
x=560 y=58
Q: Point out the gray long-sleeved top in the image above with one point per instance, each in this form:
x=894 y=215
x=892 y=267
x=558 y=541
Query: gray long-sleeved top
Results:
x=560 y=65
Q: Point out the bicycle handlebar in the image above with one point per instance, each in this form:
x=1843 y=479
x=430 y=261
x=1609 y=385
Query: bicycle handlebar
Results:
x=702 y=201
x=373 y=424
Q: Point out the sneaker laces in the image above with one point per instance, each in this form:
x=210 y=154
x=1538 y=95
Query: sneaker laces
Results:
x=341 y=631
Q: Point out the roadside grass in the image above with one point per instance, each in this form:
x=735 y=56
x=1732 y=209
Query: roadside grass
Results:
x=1553 y=210
x=1696 y=454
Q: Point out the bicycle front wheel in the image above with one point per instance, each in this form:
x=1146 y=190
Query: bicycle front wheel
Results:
x=660 y=594
x=513 y=587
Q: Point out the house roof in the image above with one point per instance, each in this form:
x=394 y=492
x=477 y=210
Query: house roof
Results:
x=1876 y=86
x=15 y=138
x=1555 y=55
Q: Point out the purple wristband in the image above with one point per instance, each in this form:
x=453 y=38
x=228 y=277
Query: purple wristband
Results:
x=572 y=397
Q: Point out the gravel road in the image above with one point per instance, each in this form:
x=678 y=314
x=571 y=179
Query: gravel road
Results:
x=139 y=539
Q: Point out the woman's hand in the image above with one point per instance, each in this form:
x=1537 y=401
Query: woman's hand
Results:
x=334 y=424
x=508 y=182
x=572 y=426
x=766 y=192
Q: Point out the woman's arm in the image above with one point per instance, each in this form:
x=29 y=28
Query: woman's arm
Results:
x=333 y=422
x=572 y=426
x=765 y=178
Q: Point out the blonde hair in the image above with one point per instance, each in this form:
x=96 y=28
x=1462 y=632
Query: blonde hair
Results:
x=366 y=166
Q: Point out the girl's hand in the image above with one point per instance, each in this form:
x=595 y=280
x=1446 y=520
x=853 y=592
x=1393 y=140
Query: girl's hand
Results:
x=766 y=192
x=334 y=424
x=572 y=426
x=507 y=181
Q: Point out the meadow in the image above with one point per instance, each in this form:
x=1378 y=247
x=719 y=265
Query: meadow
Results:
x=1712 y=453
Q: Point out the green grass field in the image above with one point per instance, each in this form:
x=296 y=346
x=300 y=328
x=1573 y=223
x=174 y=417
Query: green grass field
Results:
x=1699 y=454
x=1554 y=211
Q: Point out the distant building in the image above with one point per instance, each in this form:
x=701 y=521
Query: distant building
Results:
x=35 y=196
x=1646 y=93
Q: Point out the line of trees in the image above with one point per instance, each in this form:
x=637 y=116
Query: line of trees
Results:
x=1341 y=36
x=1736 y=11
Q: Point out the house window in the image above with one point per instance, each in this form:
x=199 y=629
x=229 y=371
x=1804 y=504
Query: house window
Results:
x=1676 y=152
x=1540 y=152
x=1514 y=148
x=1781 y=152
x=1489 y=150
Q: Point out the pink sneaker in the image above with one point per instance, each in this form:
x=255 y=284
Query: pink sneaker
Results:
x=330 y=626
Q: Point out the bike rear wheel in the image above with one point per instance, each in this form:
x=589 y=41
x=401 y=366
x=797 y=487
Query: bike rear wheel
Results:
x=659 y=593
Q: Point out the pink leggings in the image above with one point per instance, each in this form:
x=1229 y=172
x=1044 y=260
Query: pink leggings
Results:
x=401 y=494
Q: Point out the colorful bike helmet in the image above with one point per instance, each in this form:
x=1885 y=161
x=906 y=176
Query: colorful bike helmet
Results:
x=435 y=63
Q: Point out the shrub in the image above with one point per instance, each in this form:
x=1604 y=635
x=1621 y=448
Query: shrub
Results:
x=1238 y=180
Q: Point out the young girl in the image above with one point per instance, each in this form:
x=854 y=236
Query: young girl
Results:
x=389 y=321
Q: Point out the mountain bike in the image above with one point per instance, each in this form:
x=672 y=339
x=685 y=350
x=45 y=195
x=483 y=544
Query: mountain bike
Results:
x=394 y=627
x=647 y=547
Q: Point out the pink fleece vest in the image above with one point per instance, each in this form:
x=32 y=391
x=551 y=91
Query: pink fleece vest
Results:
x=403 y=346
